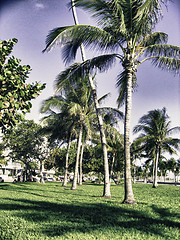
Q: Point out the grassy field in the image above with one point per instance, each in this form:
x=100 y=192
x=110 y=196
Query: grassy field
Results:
x=36 y=211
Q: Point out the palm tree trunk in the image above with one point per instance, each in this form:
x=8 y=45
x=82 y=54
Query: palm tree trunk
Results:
x=106 y=192
x=134 y=177
x=155 y=170
x=112 y=166
x=165 y=176
x=67 y=163
x=74 y=184
x=129 y=196
x=154 y=160
x=41 y=172
x=80 y=165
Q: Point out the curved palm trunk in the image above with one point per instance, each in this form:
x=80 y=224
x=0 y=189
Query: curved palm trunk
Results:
x=155 y=184
x=67 y=163
x=80 y=165
x=106 y=192
x=129 y=196
x=74 y=184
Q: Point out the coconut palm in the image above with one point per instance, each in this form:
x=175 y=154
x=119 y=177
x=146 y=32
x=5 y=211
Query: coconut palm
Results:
x=136 y=152
x=59 y=125
x=155 y=136
x=126 y=34
x=82 y=107
x=83 y=102
x=115 y=143
x=163 y=167
x=106 y=192
x=174 y=166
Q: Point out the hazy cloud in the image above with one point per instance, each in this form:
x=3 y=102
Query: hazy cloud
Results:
x=39 y=5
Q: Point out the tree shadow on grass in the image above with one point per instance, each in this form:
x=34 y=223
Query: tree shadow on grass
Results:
x=56 y=219
x=27 y=188
x=164 y=213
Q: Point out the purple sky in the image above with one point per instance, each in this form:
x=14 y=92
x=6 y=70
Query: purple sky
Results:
x=30 y=21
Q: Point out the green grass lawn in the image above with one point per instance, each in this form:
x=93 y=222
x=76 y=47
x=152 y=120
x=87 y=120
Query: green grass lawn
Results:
x=48 y=211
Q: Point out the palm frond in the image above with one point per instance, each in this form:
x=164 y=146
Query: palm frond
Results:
x=74 y=108
x=52 y=102
x=164 y=50
x=101 y=63
x=103 y=98
x=171 y=145
x=72 y=37
x=104 y=11
x=167 y=63
x=113 y=112
x=111 y=116
x=174 y=130
x=55 y=37
x=152 y=39
x=148 y=14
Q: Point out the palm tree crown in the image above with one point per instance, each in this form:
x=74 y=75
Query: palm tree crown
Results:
x=155 y=136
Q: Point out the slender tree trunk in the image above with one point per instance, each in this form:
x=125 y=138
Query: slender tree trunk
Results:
x=78 y=175
x=106 y=192
x=129 y=196
x=74 y=184
x=112 y=166
x=155 y=170
x=154 y=160
x=41 y=172
x=25 y=172
x=175 y=178
x=165 y=177
x=80 y=165
x=67 y=163
x=134 y=177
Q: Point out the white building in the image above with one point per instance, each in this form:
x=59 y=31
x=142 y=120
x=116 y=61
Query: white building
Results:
x=11 y=169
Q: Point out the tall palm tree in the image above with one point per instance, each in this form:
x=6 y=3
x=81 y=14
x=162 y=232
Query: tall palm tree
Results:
x=126 y=34
x=59 y=125
x=81 y=107
x=115 y=142
x=155 y=136
x=106 y=192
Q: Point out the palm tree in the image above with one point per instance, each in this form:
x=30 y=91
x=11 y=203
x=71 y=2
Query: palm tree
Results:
x=106 y=192
x=173 y=166
x=115 y=143
x=126 y=34
x=136 y=151
x=81 y=107
x=59 y=125
x=155 y=137
x=163 y=167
